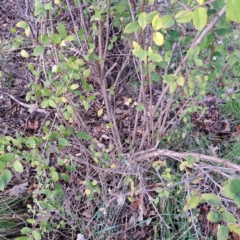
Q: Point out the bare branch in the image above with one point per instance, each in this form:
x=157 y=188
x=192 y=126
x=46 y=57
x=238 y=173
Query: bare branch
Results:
x=172 y=154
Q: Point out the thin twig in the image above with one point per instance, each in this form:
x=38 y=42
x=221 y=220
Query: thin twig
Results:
x=33 y=108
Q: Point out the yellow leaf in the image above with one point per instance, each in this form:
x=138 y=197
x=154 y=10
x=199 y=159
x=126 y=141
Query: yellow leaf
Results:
x=196 y=181
x=132 y=185
x=155 y=163
x=185 y=208
x=64 y=99
x=27 y=31
x=63 y=43
x=24 y=54
x=182 y=166
x=95 y=160
x=181 y=81
x=113 y=166
x=100 y=112
x=158 y=38
x=136 y=45
x=87 y=191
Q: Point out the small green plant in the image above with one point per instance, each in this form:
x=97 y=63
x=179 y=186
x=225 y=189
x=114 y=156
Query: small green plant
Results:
x=91 y=189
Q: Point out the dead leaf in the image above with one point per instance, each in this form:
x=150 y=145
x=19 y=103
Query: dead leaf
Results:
x=105 y=137
x=235 y=236
x=32 y=125
x=135 y=204
x=213 y=228
x=80 y=237
x=32 y=188
x=121 y=200
x=18 y=189
x=87 y=214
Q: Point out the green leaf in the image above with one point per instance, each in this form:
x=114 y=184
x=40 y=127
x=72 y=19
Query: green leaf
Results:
x=74 y=86
x=63 y=142
x=140 y=107
x=233 y=10
x=237 y=199
x=223 y=233
x=167 y=21
x=54 y=176
x=234 y=228
x=46 y=92
x=44 y=39
x=18 y=167
x=227 y=192
x=155 y=57
x=22 y=24
x=213 y=216
x=212 y=199
x=193 y=53
x=8 y=157
x=6 y=176
x=184 y=16
x=65 y=177
x=24 y=54
x=2 y=184
x=44 y=103
x=151 y=15
x=32 y=221
x=200 y=18
x=156 y=23
x=56 y=39
x=94 y=182
x=52 y=103
x=173 y=87
x=36 y=235
x=234 y=186
x=62 y=31
x=83 y=135
x=70 y=109
x=38 y=50
x=70 y=38
x=26 y=230
x=158 y=38
x=22 y=238
x=190 y=159
x=228 y=217
x=142 y=20
x=140 y=53
x=198 y=62
x=131 y=27
x=2 y=166
x=48 y=6
x=193 y=202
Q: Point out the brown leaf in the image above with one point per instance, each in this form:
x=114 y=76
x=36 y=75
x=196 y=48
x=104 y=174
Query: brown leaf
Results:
x=32 y=125
x=213 y=228
x=32 y=188
x=139 y=234
x=87 y=214
x=18 y=189
x=235 y=236
x=135 y=204
x=205 y=209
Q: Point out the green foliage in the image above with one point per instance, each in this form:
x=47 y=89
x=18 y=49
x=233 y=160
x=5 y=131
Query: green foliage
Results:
x=76 y=57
